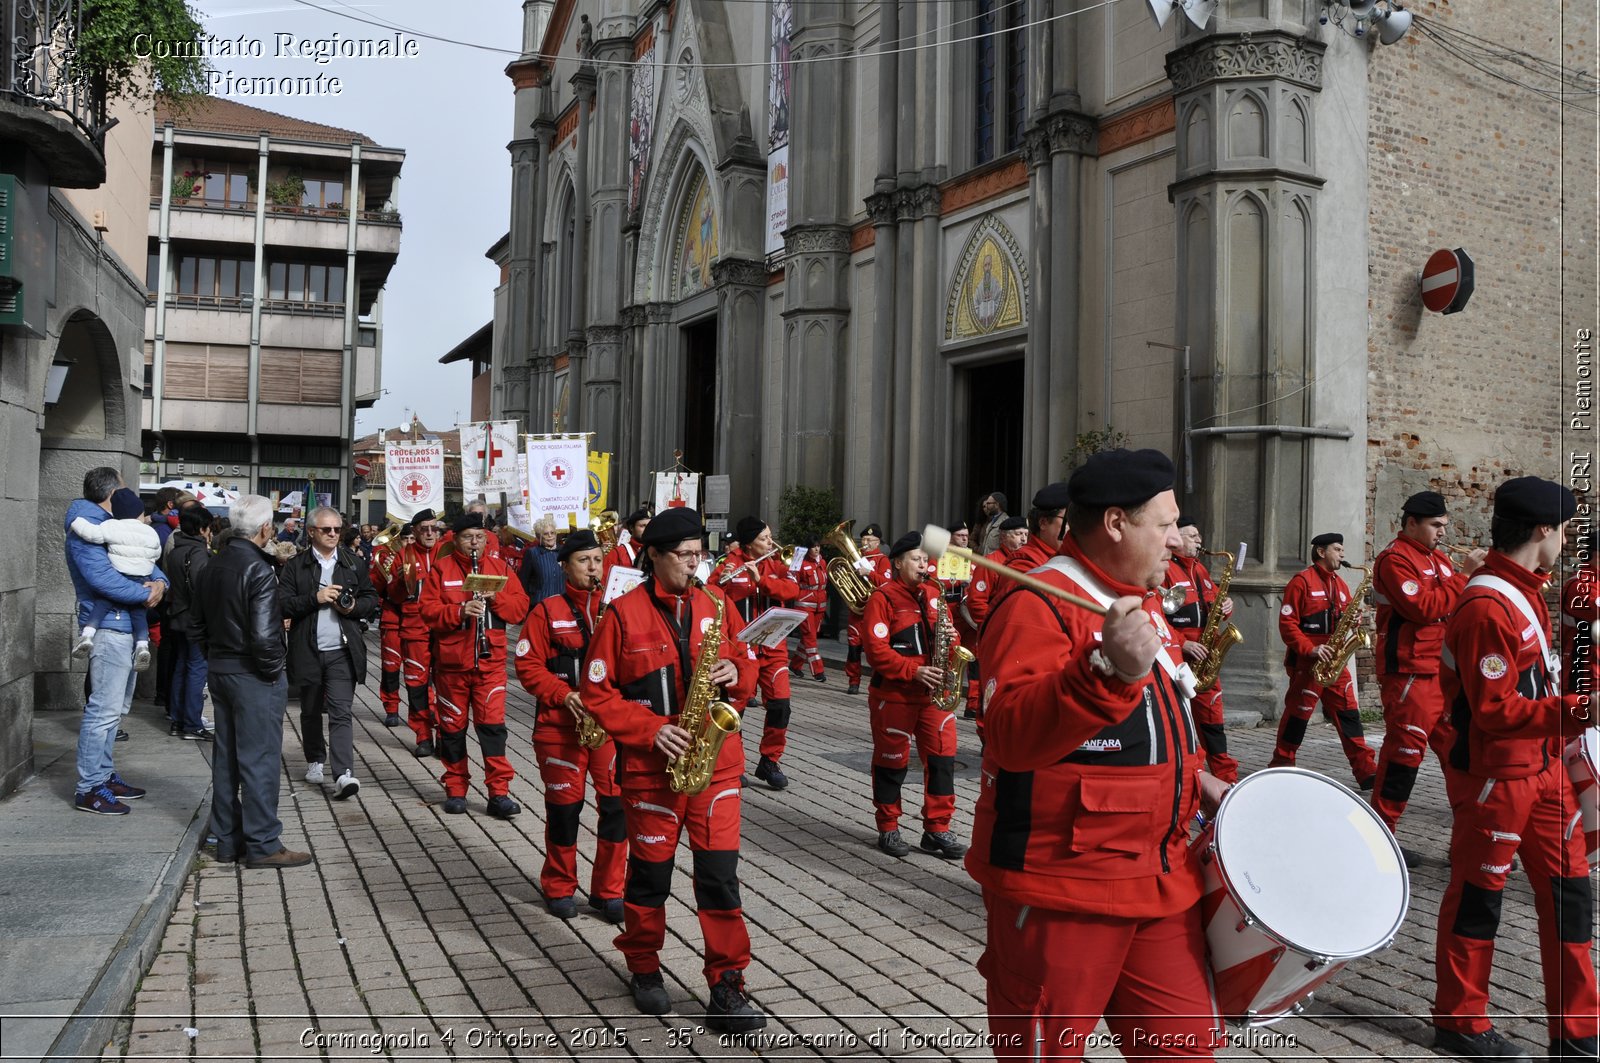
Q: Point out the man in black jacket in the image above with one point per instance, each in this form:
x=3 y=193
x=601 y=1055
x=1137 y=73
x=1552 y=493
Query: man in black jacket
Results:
x=235 y=615
x=188 y=551
x=327 y=592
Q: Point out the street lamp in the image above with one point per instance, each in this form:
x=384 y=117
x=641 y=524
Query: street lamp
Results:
x=155 y=452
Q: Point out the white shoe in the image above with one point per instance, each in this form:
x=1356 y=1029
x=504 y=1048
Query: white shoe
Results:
x=84 y=644
x=314 y=771
x=205 y=723
x=141 y=656
x=345 y=786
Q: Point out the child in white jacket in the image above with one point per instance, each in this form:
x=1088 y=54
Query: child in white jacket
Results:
x=134 y=548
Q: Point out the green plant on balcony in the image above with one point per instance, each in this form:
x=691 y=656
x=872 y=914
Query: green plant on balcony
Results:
x=188 y=183
x=287 y=191
x=119 y=71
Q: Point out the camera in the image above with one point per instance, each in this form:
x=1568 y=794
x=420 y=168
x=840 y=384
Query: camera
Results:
x=347 y=599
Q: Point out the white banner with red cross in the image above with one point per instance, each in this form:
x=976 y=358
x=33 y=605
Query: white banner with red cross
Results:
x=558 y=478
x=488 y=458
x=413 y=478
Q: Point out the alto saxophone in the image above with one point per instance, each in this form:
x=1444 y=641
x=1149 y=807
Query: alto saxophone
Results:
x=708 y=720
x=590 y=734
x=1217 y=640
x=950 y=657
x=1348 y=637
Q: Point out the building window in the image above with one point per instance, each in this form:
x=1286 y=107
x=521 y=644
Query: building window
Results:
x=322 y=192
x=305 y=283
x=152 y=273
x=1000 y=81
x=227 y=184
x=203 y=278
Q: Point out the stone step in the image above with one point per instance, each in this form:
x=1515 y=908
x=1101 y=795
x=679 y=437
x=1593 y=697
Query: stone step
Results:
x=1240 y=718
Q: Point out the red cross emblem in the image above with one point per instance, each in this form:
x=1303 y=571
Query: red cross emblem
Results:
x=559 y=473
x=416 y=487
x=492 y=452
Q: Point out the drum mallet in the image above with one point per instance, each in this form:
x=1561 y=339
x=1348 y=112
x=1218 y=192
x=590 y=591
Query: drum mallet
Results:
x=936 y=541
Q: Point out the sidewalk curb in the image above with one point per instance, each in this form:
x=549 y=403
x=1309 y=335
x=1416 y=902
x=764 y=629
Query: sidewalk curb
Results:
x=96 y=1017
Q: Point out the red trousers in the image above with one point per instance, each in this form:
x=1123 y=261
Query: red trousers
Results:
x=1413 y=720
x=563 y=764
x=895 y=722
x=808 y=653
x=483 y=693
x=1052 y=975
x=389 y=641
x=852 y=655
x=1494 y=819
x=656 y=819
x=1338 y=705
x=417 y=665
x=1206 y=708
x=775 y=698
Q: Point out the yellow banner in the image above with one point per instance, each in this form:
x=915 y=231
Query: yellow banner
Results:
x=599 y=482
x=956 y=568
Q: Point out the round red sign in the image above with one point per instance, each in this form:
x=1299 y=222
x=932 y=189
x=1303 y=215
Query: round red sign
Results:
x=362 y=466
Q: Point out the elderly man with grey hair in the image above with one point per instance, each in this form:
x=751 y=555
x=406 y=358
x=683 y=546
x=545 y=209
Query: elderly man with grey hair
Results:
x=541 y=573
x=239 y=621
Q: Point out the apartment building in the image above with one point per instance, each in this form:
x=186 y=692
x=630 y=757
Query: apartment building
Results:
x=271 y=239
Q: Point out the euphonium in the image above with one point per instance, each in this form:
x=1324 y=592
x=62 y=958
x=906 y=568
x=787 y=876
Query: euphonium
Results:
x=1217 y=640
x=590 y=734
x=852 y=586
x=605 y=530
x=708 y=720
x=390 y=531
x=950 y=657
x=1348 y=637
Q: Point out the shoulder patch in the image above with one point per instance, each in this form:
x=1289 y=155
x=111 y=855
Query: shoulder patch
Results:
x=980 y=586
x=880 y=630
x=1410 y=587
x=705 y=624
x=523 y=647
x=1492 y=666
x=1287 y=610
x=597 y=671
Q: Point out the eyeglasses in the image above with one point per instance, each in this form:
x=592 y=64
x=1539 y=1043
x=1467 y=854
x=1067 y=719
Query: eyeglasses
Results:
x=685 y=555
x=327 y=527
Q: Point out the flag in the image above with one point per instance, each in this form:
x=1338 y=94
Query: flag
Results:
x=488 y=458
x=413 y=478
x=557 y=484
x=600 y=481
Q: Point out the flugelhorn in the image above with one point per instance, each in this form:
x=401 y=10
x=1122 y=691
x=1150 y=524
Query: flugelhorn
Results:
x=391 y=531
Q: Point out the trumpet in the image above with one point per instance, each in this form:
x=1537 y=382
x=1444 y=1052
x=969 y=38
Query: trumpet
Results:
x=391 y=531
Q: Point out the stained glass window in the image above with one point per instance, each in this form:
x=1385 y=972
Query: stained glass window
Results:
x=984 y=84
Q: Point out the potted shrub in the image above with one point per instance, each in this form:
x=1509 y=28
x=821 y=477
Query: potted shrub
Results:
x=186 y=185
x=287 y=191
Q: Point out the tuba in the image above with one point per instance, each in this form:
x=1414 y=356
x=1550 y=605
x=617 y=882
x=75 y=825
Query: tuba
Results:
x=708 y=720
x=852 y=586
x=1348 y=637
x=1217 y=640
x=950 y=657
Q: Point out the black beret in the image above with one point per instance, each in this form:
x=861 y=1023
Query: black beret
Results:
x=582 y=539
x=635 y=517
x=957 y=525
x=1012 y=524
x=746 y=531
x=1186 y=521
x=1125 y=478
x=1530 y=500
x=466 y=522
x=673 y=527
x=1052 y=496
x=874 y=531
x=1327 y=539
x=905 y=544
x=1425 y=504
x=421 y=517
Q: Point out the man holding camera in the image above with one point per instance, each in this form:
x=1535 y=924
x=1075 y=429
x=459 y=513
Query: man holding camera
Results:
x=326 y=593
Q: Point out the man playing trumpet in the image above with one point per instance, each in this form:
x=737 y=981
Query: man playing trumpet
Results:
x=469 y=628
x=550 y=659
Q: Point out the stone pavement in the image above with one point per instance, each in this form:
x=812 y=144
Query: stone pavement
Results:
x=419 y=935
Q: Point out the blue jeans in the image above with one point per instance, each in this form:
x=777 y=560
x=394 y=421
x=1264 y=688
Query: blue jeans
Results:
x=111 y=679
x=138 y=617
x=247 y=764
x=186 y=695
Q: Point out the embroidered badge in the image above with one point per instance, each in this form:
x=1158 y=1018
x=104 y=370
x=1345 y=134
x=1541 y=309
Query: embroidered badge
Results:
x=1493 y=666
x=597 y=671
x=523 y=647
x=988 y=692
x=1288 y=610
x=981 y=586
x=1410 y=587
x=880 y=630
x=705 y=624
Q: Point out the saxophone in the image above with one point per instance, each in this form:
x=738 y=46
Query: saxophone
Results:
x=590 y=734
x=950 y=657
x=1217 y=640
x=1348 y=637
x=708 y=720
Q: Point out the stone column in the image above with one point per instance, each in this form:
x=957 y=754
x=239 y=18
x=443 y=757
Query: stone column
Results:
x=875 y=377
x=816 y=315
x=583 y=84
x=741 y=285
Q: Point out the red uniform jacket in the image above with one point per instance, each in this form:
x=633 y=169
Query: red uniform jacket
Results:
x=1033 y=554
x=1312 y=604
x=752 y=596
x=897 y=636
x=624 y=554
x=1199 y=594
x=979 y=589
x=455 y=647
x=405 y=587
x=554 y=647
x=1089 y=783
x=385 y=565
x=511 y=553
x=812 y=579
x=639 y=665
x=1500 y=692
x=882 y=568
x=1415 y=589
x=1580 y=609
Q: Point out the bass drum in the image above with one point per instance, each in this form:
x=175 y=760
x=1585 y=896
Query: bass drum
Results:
x=1582 y=757
x=1301 y=877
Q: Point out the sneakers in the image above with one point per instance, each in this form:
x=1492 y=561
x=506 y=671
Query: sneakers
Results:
x=1488 y=1045
x=279 y=860
x=141 y=657
x=855 y=688
x=122 y=736
x=730 y=1010
x=650 y=993
x=562 y=907
x=502 y=807
x=84 y=644
x=767 y=771
x=346 y=787
x=944 y=843
x=424 y=749
x=392 y=720
x=610 y=908
x=820 y=677
x=890 y=842
x=314 y=771
x=101 y=801
x=205 y=735
x=455 y=805
x=121 y=790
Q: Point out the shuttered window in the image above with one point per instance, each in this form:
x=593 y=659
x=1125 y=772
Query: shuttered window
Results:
x=206 y=371
x=300 y=377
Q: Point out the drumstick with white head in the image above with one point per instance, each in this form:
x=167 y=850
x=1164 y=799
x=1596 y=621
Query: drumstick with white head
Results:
x=936 y=541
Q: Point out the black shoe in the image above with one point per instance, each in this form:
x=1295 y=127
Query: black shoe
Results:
x=1573 y=1048
x=174 y=729
x=730 y=1010
x=890 y=842
x=562 y=907
x=1488 y=1045
x=392 y=720
x=855 y=688
x=744 y=782
x=122 y=736
x=1365 y=785
x=202 y=735
x=969 y=714
x=943 y=842
x=754 y=703
x=1412 y=858
x=424 y=749
x=820 y=677
x=502 y=807
x=769 y=772
x=610 y=908
x=650 y=993
x=455 y=805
